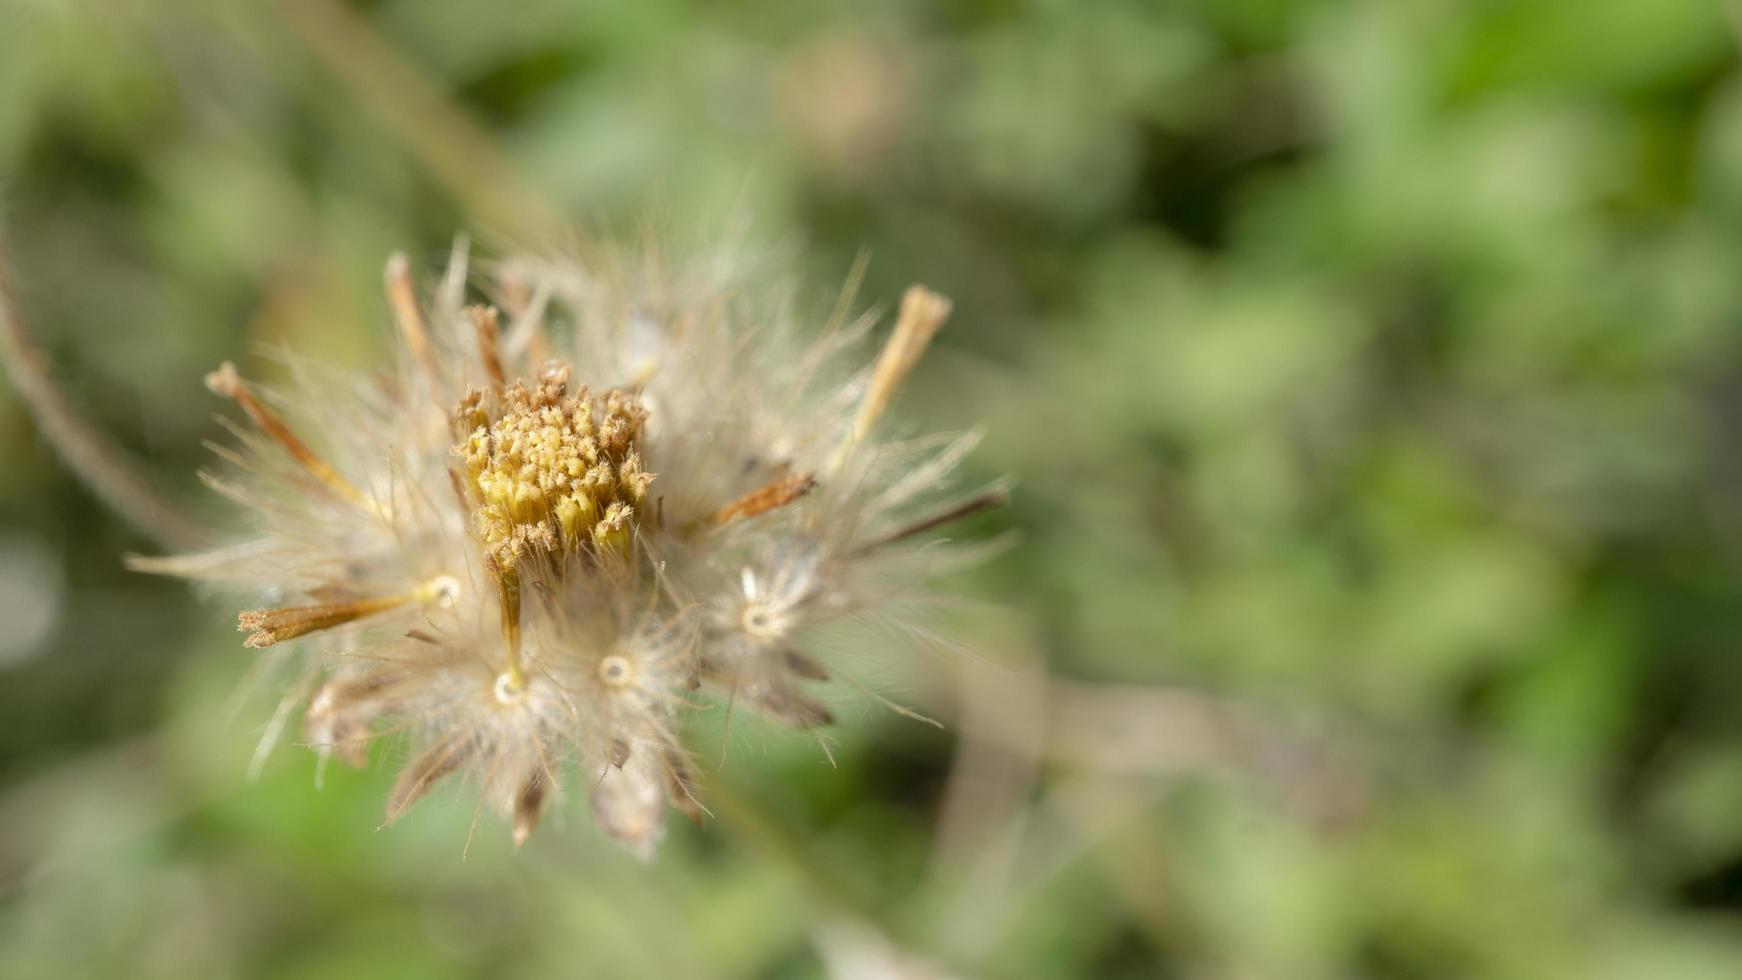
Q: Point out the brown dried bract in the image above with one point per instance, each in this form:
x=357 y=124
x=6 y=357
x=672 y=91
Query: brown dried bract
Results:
x=764 y=499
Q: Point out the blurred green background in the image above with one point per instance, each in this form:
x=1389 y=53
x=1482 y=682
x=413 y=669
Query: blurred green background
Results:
x=1372 y=374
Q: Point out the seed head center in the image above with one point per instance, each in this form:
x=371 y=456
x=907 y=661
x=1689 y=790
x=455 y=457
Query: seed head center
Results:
x=762 y=622
x=616 y=671
x=553 y=472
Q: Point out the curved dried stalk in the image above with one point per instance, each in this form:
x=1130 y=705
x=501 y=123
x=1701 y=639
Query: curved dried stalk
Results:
x=447 y=143
x=103 y=466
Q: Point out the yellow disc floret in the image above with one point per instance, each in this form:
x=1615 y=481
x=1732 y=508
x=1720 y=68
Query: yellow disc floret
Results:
x=552 y=472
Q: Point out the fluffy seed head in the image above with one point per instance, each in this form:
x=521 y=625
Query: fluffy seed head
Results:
x=474 y=549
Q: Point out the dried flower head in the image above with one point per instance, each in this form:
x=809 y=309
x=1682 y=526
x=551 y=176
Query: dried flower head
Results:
x=531 y=543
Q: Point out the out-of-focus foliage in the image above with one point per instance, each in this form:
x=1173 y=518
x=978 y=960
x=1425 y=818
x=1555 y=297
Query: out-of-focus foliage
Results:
x=1373 y=376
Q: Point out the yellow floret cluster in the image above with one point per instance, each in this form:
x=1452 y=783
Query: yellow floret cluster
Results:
x=552 y=472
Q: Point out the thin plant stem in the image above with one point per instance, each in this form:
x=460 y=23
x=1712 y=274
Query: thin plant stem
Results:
x=447 y=143
x=96 y=460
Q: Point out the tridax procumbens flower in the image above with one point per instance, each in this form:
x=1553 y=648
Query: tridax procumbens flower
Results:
x=529 y=544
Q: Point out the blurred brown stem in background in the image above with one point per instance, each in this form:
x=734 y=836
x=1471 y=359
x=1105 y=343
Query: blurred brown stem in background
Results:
x=103 y=466
x=449 y=145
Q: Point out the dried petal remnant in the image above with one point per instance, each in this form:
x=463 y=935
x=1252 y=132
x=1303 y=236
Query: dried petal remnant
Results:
x=629 y=801
x=923 y=312
x=270 y=626
x=402 y=296
x=764 y=499
x=227 y=382
x=528 y=809
x=486 y=324
x=339 y=716
x=424 y=772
